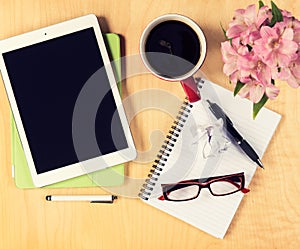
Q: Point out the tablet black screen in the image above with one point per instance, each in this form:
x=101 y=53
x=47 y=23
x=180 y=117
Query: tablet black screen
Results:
x=46 y=79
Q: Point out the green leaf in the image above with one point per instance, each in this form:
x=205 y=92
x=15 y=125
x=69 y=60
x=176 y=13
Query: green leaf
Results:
x=261 y=4
x=238 y=87
x=276 y=13
x=226 y=37
x=224 y=32
x=259 y=105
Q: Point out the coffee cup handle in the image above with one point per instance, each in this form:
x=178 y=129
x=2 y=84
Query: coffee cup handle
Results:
x=190 y=88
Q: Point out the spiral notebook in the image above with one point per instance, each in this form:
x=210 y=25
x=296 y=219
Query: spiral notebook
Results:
x=182 y=157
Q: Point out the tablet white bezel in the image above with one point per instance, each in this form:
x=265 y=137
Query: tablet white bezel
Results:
x=48 y=33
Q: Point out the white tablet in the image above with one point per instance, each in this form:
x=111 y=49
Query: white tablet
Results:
x=47 y=74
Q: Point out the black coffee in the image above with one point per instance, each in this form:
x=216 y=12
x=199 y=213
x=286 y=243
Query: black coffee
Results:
x=176 y=49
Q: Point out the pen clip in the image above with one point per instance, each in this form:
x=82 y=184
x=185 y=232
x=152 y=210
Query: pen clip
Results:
x=219 y=113
x=109 y=202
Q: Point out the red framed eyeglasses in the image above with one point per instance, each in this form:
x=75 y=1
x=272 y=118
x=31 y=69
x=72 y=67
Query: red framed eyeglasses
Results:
x=190 y=189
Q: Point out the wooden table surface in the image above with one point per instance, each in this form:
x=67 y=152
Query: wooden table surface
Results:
x=268 y=218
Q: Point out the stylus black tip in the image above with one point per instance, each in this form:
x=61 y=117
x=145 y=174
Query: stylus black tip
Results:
x=48 y=198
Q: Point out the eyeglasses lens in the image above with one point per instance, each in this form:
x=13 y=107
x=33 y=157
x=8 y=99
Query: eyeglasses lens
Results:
x=225 y=187
x=185 y=193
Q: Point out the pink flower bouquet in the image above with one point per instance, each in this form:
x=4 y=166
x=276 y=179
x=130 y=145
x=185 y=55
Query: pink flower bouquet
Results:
x=262 y=46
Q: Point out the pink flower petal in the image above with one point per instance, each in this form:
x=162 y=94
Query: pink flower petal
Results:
x=235 y=31
x=254 y=36
x=226 y=46
x=283 y=60
x=266 y=32
x=288 y=47
x=293 y=82
x=294 y=79
x=297 y=36
x=288 y=34
x=263 y=74
x=263 y=14
x=250 y=14
x=256 y=93
x=286 y=13
x=270 y=59
x=272 y=91
x=245 y=62
x=260 y=47
x=234 y=77
x=296 y=68
x=229 y=68
x=245 y=91
x=284 y=73
x=228 y=53
x=277 y=60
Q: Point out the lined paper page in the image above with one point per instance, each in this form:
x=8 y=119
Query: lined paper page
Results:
x=186 y=161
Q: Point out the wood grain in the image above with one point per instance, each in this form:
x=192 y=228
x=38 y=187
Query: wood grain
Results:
x=269 y=217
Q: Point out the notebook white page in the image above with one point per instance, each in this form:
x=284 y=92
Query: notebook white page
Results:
x=209 y=213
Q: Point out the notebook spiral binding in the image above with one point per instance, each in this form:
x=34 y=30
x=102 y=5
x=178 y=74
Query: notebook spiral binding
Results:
x=165 y=150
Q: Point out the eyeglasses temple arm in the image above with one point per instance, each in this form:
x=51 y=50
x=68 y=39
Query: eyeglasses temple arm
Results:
x=245 y=190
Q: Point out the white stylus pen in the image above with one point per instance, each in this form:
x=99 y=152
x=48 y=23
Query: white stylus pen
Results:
x=89 y=198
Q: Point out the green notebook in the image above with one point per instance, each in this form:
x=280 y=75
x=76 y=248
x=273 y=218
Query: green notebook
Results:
x=108 y=177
